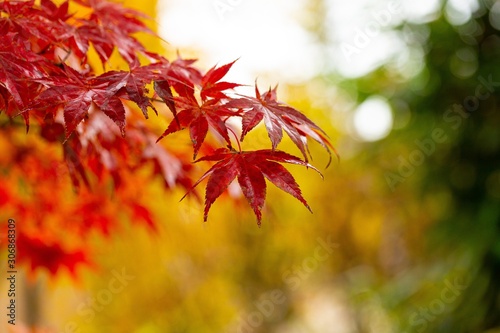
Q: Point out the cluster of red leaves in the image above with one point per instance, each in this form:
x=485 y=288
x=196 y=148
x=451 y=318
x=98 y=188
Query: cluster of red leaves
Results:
x=46 y=78
x=54 y=222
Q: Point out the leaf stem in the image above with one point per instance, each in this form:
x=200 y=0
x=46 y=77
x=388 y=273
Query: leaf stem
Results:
x=236 y=137
x=156 y=100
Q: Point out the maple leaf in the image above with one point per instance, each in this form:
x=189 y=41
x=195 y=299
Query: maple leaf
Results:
x=40 y=252
x=110 y=26
x=278 y=117
x=77 y=93
x=250 y=168
x=130 y=85
x=18 y=66
x=199 y=118
x=43 y=26
x=114 y=15
x=141 y=213
x=172 y=169
x=101 y=149
x=180 y=74
x=210 y=87
x=187 y=111
x=164 y=91
x=55 y=13
x=19 y=71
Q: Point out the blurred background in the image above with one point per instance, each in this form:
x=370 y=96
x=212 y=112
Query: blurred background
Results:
x=405 y=234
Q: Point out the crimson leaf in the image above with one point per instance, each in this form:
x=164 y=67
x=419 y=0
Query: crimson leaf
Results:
x=198 y=118
x=77 y=92
x=250 y=168
x=210 y=87
x=278 y=117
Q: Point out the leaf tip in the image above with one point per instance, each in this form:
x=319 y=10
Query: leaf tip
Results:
x=161 y=137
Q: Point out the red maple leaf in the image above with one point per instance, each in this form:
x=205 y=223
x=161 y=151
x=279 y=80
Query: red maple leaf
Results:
x=41 y=26
x=77 y=93
x=211 y=113
x=198 y=118
x=173 y=170
x=278 y=117
x=114 y=15
x=180 y=73
x=250 y=168
x=19 y=67
x=40 y=252
x=141 y=214
x=130 y=85
x=20 y=70
x=110 y=26
x=211 y=88
x=164 y=91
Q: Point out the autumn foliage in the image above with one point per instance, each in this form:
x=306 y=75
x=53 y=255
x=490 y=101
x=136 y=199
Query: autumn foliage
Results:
x=87 y=122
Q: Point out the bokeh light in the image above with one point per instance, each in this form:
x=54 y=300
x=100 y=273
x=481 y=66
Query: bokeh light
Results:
x=373 y=119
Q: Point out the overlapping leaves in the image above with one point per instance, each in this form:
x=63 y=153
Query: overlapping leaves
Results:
x=277 y=118
x=45 y=75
